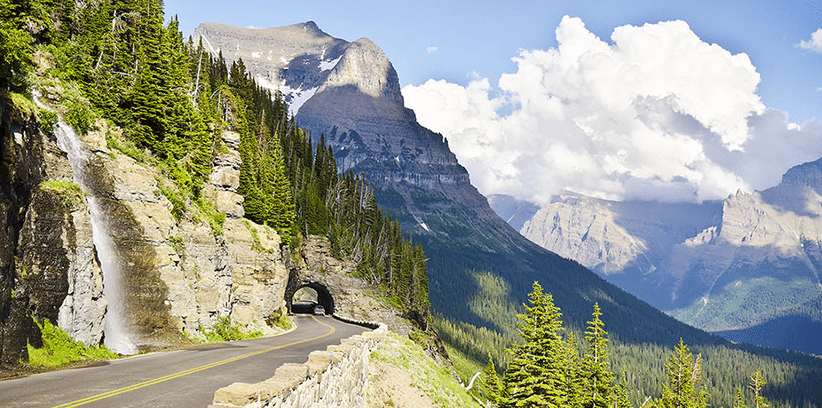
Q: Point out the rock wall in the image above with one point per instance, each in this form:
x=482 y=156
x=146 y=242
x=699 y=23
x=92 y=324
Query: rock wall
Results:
x=336 y=377
x=41 y=237
x=196 y=271
x=179 y=274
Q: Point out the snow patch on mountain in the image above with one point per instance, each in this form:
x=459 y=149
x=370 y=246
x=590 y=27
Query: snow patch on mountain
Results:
x=328 y=65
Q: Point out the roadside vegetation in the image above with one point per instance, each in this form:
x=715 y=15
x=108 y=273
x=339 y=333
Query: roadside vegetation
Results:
x=422 y=373
x=223 y=331
x=59 y=349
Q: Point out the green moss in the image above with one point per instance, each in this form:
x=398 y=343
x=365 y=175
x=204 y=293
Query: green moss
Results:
x=177 y=243
x=23 y=103
x=70 y=193
x=60 y=349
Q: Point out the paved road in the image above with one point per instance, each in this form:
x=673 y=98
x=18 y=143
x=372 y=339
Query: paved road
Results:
x=180 y=378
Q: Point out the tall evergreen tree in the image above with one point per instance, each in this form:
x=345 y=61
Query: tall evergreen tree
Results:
x=597 y=376
x=684 y=372
x=535 y=376
x=493 y=386
x=739 y=401
x=574 y=375
x=755 y=385
x=620 y=395
x=15 y=46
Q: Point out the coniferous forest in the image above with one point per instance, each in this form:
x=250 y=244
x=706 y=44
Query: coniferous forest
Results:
x=119 y=61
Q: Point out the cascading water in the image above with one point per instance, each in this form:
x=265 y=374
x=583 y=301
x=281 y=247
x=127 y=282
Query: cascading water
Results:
x=116 y=333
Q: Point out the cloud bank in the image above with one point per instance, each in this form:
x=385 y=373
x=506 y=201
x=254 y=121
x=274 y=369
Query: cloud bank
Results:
x=814 y=44
x=656 y=114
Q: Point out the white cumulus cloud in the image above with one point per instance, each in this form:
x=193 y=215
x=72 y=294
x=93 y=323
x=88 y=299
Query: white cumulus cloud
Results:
x=431 y=50
x=814 y=44
x=657 y=113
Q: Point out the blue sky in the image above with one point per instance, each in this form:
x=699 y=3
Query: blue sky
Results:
x=482 y=36
x=540 y=97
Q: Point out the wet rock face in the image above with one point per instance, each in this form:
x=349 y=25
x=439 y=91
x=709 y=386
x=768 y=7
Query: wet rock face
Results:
x=34 y=231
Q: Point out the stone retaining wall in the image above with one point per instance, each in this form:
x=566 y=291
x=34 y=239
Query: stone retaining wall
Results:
x=335 y=377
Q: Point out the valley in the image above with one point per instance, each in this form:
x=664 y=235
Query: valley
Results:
x=729 y=267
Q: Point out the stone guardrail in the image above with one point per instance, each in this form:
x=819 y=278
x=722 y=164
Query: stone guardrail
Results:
x=335 y=377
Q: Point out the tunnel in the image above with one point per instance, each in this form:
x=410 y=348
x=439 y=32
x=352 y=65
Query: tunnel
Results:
x=301 y=298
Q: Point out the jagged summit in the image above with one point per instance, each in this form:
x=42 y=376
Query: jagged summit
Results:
x=301 y=60
x=366 y=66
x=800 y=184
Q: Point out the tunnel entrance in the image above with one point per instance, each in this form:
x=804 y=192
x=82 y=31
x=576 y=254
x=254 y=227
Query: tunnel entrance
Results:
x=306 y=298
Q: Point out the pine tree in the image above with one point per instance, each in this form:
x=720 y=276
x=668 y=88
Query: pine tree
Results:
x=535 y=376
x=684 y=372
x=756 y=384
x=595 y=363
x=619 y=397
x=573 y=370
x=739 y=402
x=493 y=386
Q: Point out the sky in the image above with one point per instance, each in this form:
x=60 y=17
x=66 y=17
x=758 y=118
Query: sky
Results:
x=664 y=100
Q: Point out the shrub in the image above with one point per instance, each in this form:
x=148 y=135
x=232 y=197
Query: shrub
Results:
x=223 y=330
x=71 y=194
x=60 y=349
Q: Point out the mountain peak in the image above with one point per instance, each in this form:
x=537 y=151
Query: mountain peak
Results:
x=366 y=66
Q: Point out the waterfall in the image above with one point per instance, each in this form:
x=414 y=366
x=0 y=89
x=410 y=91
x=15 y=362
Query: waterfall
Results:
x=116 y=332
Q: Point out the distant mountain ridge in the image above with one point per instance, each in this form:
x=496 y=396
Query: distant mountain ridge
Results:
x=737 y=267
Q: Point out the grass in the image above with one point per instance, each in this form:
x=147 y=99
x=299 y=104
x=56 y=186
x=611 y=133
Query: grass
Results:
x=59 y=349
x=70 y=193
x=429 y=377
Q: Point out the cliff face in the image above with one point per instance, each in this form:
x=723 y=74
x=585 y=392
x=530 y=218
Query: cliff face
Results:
x=738 y=266
x=36 y=246
x=176 y=275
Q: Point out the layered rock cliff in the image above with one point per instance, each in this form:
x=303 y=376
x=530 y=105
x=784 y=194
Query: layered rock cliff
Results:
x=37 y=247
x=178 y=275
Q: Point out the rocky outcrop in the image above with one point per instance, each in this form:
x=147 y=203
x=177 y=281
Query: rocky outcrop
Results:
x=584 y=231
x=199 y=273
x=336 y=377
x=340 y=292
x=178 y=275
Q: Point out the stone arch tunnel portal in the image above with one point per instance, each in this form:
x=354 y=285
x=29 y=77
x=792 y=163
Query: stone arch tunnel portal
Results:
x=302 y=297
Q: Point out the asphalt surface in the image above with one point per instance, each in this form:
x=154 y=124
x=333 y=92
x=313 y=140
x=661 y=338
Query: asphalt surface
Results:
x=180 y=378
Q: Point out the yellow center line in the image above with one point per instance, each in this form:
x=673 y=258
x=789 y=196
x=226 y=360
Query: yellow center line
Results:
x=147 y=383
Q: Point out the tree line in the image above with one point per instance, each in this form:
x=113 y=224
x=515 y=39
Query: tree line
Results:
x=550 y=369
